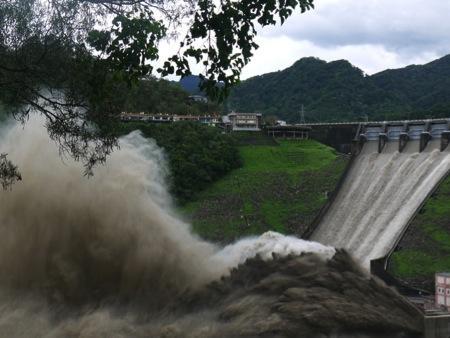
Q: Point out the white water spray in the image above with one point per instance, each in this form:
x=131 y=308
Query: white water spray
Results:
x=108 y=257
x=56 y=225
x=379 y=196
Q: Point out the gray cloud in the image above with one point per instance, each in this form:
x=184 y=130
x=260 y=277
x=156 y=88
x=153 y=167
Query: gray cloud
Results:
x=404 y=26
x=372 y=34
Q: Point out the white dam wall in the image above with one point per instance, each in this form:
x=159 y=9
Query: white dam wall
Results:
x=379 y=196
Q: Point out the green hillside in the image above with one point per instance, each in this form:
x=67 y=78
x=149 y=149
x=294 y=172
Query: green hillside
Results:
x=279 y=187
x=425 y=248
x=336 y=91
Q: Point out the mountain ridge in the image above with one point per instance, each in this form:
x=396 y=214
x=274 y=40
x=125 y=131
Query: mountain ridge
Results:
x=338 y=90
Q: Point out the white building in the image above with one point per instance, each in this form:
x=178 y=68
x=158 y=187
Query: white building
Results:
x=211 y=120
x=245 y=121
x=443 y=289
x=199 y=98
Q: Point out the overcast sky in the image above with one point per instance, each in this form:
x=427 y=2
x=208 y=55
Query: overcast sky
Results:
x=372 y=34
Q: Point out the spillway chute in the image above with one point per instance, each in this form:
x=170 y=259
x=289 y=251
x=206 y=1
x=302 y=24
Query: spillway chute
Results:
x=372 y=133
x=403 y=141
x=394 y=132
x=382 y=140
x=437 y=129
x=415 y=130
x=425 y=137
x=445 y=140
x=382 y=190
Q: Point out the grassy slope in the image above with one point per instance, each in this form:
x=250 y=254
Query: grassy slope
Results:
x=280 y=187
x=425 y=249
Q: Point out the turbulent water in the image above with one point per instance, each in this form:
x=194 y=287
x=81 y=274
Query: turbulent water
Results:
x=379 y=196
x=108 y=257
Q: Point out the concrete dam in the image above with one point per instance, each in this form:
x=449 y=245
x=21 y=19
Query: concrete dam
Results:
x=395 y=167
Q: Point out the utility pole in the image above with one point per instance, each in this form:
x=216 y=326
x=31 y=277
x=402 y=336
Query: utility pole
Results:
x=302 y=115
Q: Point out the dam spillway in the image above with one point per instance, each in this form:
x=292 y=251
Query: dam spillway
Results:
x=395 y=171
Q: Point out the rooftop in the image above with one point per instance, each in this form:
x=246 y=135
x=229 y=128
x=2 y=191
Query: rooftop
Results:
x=443 y=274
x=242 y=114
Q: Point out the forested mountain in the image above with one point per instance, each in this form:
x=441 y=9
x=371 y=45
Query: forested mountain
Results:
x=191 y=84
x=161 y=96
x=334 y=91
x=157 y=96
x=423 y=88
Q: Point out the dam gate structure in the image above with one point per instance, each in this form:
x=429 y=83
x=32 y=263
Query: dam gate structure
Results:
x=394 y=169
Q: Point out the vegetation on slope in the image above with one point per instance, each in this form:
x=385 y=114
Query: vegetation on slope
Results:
x=425 y=89
x=279 y=187
x=161 y=96
x=425 y=248
x=337 y=91
x=197 y=154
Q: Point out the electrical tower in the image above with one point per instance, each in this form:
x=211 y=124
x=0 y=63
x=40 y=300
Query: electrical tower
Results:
x=302 y=115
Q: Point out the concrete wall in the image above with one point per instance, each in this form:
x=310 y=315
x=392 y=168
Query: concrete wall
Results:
x=437 y=327
x=338 y=137
x=312 y=227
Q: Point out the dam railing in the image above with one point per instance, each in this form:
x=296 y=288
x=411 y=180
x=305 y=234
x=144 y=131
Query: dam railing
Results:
x=402 y=132
x=369 y=123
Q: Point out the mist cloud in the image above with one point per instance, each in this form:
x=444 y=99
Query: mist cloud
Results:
x=109 y=257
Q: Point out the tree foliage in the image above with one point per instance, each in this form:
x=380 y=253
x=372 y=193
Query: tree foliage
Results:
x=8 y=172
x=70 y=59
x=229 y=29
x=161 y=96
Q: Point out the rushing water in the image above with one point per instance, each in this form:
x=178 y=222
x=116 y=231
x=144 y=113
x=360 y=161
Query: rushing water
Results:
x=379 y=196
x=109 y=257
